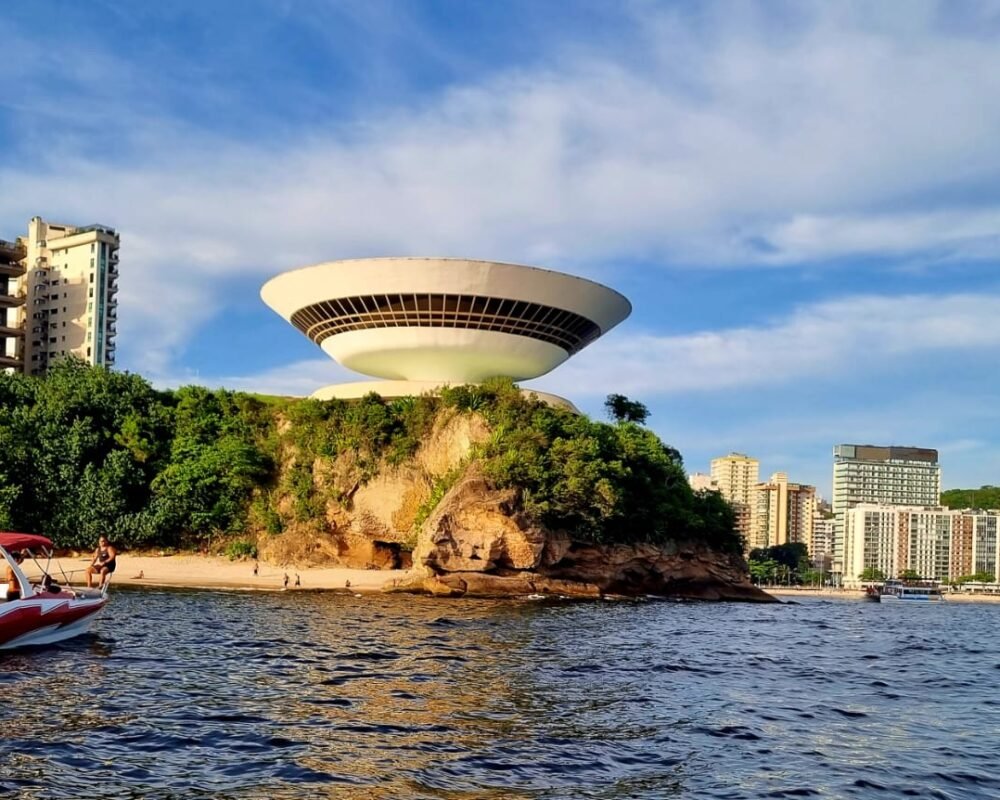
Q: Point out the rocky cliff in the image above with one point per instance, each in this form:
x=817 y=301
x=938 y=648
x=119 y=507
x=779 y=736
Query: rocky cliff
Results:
x=476 y=540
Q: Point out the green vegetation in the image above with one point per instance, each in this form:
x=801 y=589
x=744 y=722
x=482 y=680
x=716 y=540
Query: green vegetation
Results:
x=86 y=452
x=979 y=577
x=871 y=574
x=241 y=549
x=783 y=563
x=602 y=483
x=983 y=497
x=621 y=409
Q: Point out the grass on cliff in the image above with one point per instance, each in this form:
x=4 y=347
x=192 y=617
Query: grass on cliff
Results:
x=85 y=452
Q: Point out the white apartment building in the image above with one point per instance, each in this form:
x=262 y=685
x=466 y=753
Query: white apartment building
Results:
x=823 y=533
x=782 y=512
x=881 y=475
x=935 y=542
x=736 y=475
x=58 y=288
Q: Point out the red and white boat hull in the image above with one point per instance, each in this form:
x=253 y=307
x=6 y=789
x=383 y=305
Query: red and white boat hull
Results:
x=47 y=618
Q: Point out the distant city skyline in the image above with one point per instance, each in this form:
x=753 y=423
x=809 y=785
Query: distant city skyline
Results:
x=801 y=201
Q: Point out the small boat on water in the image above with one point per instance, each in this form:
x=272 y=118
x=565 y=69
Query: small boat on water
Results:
x=44 y=612
x=894 y=591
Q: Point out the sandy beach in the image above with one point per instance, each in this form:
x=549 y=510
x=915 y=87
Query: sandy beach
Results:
x=212 y=572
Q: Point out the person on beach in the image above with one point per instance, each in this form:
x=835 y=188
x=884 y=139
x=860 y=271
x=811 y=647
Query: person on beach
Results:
x=103 y=563
x=13 y=587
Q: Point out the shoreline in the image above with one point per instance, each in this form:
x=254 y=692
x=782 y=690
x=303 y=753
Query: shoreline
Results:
x=189 y=571
x=217 y=572
x=857 y=594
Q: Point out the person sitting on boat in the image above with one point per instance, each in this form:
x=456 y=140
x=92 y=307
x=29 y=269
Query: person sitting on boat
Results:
x=103 y=563
x=13 y=585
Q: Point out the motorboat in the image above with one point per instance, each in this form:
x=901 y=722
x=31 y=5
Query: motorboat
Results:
x=911 y=592
x=47 y=611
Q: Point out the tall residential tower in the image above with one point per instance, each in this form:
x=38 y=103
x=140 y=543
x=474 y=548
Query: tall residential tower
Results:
x=783 y=512
x=737 y=476
x=907 y=476
x=58 y=289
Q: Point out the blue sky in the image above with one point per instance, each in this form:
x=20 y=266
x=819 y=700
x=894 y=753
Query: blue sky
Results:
x=802 y=200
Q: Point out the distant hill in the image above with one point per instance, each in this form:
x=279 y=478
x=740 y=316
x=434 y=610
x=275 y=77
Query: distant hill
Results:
x=983 y=497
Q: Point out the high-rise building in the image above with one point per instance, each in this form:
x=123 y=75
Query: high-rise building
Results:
x=58 y=288
x=737 y=475
x=934 y=542
x=783 y=512
x=882 y=475
x=823 y=533
x=11 y=304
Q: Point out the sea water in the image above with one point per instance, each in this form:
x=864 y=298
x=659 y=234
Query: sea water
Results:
x=184 y=694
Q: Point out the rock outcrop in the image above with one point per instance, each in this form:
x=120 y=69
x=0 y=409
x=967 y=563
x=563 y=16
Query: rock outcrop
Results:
x=478 y=543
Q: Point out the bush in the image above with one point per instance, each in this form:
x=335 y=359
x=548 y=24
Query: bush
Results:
x=241 y=549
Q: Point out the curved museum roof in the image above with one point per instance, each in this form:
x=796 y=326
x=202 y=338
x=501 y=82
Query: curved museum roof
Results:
x=444 y=319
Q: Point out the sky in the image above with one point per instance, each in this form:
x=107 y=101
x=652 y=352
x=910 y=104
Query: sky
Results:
x=801 y=199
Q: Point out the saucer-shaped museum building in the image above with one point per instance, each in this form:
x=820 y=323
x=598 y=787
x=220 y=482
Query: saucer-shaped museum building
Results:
x=421 y=323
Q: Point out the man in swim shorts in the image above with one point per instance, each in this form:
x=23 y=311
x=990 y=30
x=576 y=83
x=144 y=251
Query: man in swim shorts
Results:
x=103 y=563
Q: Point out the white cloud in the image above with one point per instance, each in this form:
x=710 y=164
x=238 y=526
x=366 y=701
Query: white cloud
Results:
x=956 y=233
x=856 y=336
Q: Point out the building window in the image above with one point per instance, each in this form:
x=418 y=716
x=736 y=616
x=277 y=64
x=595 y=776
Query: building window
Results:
x=92 y=250
x=91 y=277
x=52 y=340
x=88 y=336
x=88 y=352
x=90 y=307
x=556 y=326
x=91 y=292
x=91 y=262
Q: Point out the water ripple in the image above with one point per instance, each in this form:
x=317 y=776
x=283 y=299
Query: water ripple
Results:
x=220 y=695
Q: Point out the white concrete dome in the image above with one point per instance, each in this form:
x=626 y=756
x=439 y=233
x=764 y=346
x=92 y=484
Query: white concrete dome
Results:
x=444 y=319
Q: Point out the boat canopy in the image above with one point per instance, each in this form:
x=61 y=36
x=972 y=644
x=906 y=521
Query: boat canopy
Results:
x=18 y=541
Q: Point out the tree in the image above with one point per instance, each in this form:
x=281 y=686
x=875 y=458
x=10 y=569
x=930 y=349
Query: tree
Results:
x=621 y=409
x=983 y=497
x=763 y=571
x=871 y=574
x=811 y=577
x=909 y=575
x=979 y=577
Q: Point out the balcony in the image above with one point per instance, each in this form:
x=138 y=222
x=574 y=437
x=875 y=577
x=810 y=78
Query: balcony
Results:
x=11 y=361
x=11 y=251
x=13 y=269
x=8 y=330
x=11 y=300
